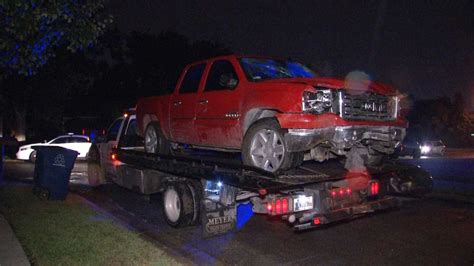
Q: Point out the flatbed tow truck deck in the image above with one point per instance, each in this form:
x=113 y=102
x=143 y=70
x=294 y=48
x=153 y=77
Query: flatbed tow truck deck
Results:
x=287 y=194
x=206 y=187
x=232 y=172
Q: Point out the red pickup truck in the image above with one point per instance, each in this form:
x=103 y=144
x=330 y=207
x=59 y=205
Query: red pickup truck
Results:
x=276 y=112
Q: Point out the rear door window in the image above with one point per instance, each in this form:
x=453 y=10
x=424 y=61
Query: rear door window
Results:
x=218 y=75
x=131 y=138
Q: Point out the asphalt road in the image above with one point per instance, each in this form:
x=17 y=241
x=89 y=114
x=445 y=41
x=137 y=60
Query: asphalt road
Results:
x=427 y=231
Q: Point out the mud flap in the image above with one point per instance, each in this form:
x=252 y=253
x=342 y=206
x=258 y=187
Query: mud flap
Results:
x=217 y=219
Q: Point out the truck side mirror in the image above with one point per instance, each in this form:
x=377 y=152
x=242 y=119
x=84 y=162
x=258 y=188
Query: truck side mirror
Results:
x=227 y=80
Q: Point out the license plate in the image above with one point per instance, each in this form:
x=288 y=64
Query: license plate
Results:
x=302 y=203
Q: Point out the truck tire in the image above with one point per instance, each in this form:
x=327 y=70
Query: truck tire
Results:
x=95 y=174
x=93 y=156
x=155 y=141
x=264 y=147
x=196 y=191
x=178 y=205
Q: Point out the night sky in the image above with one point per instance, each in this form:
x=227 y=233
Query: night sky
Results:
x=425 y=48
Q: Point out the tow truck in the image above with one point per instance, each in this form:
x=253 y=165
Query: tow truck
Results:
x=217 y=190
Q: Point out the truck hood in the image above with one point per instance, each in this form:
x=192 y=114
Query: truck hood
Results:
x=334 y=83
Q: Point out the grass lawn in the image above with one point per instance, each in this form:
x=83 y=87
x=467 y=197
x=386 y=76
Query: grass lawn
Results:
x=72 y=233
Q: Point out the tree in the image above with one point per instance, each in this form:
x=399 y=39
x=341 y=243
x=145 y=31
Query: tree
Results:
x=30 y=33
x=31 y=30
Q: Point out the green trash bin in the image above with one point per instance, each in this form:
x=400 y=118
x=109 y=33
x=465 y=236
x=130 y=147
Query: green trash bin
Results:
x=53 y=168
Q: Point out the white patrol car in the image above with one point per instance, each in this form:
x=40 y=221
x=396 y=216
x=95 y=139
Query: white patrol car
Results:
x=79 y=143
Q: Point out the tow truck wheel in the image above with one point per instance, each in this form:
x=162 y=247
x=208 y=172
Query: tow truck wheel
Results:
x=178 y=207
x=264 y=147
x=155 y=141
x=196 y=191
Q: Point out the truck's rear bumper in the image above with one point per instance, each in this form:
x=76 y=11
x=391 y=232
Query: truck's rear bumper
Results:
x=315 y=220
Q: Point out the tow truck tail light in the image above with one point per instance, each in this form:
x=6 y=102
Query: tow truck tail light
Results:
x=373 y=188
x=278 y=206
x=316 y=220
x=284 y=205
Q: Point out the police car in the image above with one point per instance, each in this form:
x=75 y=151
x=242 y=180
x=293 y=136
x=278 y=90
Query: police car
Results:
x=79 y=143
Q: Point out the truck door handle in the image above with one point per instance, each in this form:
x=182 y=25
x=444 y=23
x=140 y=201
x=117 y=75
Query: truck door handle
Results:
x=204 y=102
x=177 y=103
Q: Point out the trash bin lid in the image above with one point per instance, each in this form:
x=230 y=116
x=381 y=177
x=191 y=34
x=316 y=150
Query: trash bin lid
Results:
x=52 y=148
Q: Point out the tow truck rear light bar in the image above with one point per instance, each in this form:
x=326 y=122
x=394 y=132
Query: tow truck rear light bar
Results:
x=289 y=204
x=341 y=192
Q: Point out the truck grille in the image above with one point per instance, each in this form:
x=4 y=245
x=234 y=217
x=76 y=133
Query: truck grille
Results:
x=367 y=106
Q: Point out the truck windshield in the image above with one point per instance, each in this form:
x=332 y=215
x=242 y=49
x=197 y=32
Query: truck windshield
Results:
x=262 y=69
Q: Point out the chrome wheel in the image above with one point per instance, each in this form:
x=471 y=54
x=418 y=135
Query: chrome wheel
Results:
x=172 y=205
x=267 y=150
x=151 y=140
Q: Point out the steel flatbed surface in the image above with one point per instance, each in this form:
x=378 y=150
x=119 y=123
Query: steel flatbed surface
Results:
x=230 y=172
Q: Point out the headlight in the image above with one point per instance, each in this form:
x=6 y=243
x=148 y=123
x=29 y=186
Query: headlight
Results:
x=317 y=102
x=425 y=149
x=23 y=149
x=393 y=106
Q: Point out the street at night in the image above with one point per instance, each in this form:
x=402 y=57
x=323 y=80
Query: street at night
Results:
x=236 y=132
x=436 y=229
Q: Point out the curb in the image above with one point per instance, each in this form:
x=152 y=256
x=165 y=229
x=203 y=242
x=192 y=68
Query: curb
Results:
x=11 y=251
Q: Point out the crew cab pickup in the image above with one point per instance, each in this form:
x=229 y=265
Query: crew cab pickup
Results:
x=275 y=112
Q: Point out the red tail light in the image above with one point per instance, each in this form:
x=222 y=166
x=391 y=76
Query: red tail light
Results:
x=284 y=205
x=278 y=206
x=374 y=188
x=341 y=192
x=316 y=220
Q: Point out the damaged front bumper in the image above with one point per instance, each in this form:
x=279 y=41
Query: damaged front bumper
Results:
x=310 y=220
x=383 y=138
